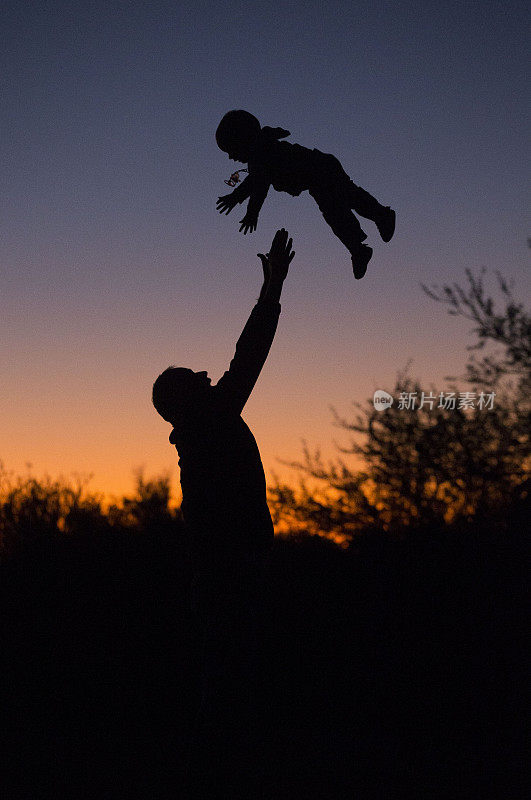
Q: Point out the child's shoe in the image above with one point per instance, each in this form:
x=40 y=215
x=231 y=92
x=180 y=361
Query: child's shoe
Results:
x=385 y=222
x=360 y=259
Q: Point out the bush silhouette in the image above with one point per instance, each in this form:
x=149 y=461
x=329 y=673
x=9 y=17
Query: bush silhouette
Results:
x=429 y=465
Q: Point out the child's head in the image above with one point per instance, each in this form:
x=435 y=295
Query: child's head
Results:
x=178 y=391
x=236 y=134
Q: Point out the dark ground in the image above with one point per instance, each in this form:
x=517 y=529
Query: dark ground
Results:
x=397 y=666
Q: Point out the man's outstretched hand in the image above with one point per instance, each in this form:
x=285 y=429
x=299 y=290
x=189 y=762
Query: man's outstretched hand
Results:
x=276 y=263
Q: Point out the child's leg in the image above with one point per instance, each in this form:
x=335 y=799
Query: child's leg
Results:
x=367 y=206
x=347 y=229
x=342 y=221
x=332 y=180
x=363 y=203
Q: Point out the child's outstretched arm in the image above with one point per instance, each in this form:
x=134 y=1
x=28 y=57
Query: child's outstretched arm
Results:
x=256 y=201
x=226 y=202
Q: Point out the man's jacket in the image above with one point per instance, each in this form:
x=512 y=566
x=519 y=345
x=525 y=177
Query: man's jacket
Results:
x=222 y=477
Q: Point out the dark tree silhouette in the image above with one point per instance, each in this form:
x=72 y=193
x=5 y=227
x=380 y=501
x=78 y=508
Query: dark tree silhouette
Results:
x=36 y=512
x=509 y=327
x=428 y=465
x=149 y=506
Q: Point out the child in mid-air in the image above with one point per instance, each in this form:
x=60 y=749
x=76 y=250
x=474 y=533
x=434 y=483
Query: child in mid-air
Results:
x=292 y=168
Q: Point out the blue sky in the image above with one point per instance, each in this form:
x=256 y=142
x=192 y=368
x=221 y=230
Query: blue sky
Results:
x=115 y=263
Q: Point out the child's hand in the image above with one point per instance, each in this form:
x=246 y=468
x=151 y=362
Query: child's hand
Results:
x=226 y=203
x=248 y=223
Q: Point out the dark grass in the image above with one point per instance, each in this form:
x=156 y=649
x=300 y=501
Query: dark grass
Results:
x=396 y=664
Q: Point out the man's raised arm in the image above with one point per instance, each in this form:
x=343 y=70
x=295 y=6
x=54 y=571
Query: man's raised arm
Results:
x=255 y=341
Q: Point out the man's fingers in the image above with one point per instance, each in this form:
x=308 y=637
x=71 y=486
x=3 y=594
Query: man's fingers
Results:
x=280 y=245
x=279 y=238
x=281 y=248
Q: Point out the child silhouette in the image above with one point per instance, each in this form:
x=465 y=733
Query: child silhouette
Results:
x=293 y=169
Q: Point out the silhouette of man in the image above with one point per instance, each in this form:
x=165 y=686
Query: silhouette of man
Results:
x=230 y=532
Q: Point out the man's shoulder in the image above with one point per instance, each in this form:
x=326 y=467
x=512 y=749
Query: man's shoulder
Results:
x=222 y=406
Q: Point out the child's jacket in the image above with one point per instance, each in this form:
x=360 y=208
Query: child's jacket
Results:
x=287 y=167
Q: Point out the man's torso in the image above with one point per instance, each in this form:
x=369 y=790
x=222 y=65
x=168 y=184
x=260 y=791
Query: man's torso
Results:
x=223 y=485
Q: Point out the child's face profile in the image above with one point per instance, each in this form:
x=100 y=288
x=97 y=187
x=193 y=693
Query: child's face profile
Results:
x=237 y=134
x=238 y=154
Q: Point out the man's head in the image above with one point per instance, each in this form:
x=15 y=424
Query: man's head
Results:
x=237 y=133
x=178 y=391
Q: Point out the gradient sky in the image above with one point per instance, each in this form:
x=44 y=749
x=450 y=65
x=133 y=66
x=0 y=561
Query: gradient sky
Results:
x=114 y=262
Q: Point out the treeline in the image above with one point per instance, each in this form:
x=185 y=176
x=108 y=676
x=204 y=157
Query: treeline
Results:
x=35 y=512
x=396 y=663
x=433 y=458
